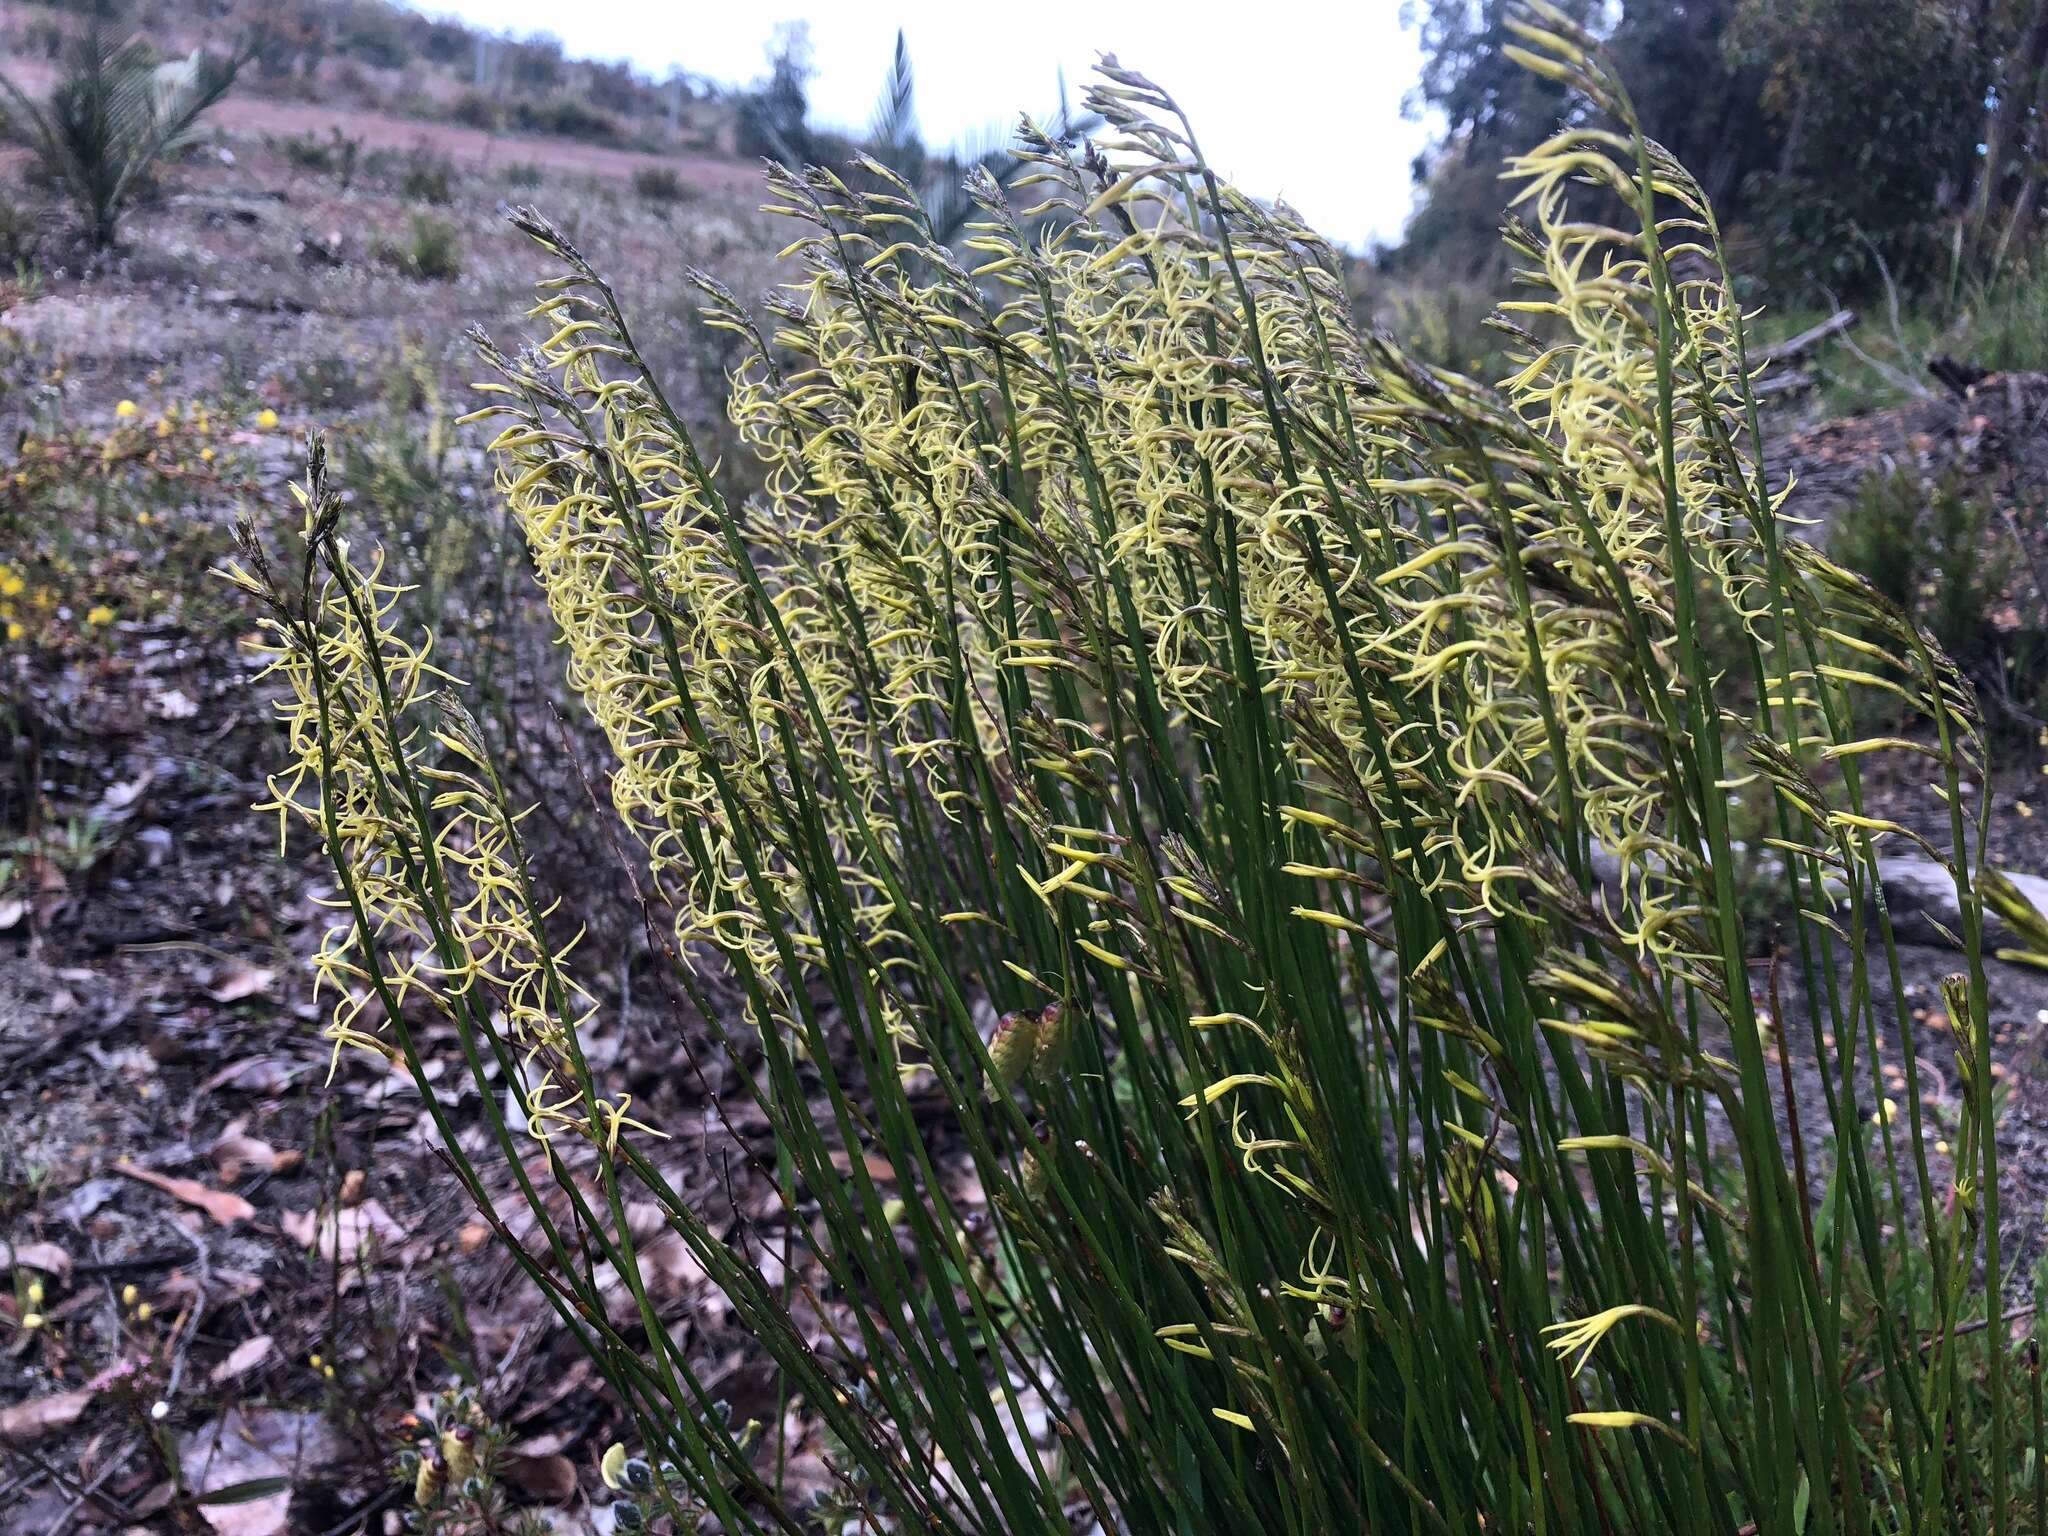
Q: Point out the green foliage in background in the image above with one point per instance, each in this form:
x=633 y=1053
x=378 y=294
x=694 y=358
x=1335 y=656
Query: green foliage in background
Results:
x=1848 y=143
x=1272 y=792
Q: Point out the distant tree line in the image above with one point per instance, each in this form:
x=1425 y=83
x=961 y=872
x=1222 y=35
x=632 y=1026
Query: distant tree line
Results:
x=1842 y=141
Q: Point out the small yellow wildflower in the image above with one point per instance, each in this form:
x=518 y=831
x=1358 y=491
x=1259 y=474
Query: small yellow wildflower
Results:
x=99 y=614
x=163 y=426
x=206 y=455
x=15 y=630
x=613 y=1467
x=10 y=582
x=130 y=1295
x=126 y=410
x=31 y=1320
x=144 y=518
x=2026 y=811
x=35 y=1293
x=267 y=419
x=144 y=1312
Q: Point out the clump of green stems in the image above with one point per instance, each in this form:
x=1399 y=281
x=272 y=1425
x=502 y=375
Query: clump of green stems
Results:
x=1309 y=756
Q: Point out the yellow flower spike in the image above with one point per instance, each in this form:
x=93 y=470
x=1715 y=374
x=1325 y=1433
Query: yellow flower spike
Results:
x=1177 y=1336
x=1236 y=1420
x=615 y=1118
x=1584 y=1336
x=1223 y=1087
x=1614 y=1418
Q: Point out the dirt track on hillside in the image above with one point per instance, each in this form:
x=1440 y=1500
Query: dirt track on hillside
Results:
x=242 y=114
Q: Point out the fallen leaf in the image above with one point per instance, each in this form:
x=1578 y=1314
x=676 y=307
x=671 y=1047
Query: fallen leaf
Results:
x=551 y=1479
x=23 y=1422
x=240 y=981
x=352 y=1184
x=224 y=1206
x=12 y=911
x=236 y=1153
x=256 y=1074
x=342 y=1234
x=254 y=1456
x=553 y=1443
x=47 y=1258
x=173 y=704
x=669 y=1267
x=119 y=796
x=79 y=1206
x=243 y=1359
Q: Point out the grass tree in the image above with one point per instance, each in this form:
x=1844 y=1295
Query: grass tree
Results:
x=114 y=113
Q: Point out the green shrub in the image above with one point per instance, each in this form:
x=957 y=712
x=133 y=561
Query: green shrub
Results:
x=476 y=110
x=565 y=117
x=432 y=251
x=659 y=184
x=113 y=114
x=1933 y=550
x=1238 y=714
x=337 y=154
x=428 y=179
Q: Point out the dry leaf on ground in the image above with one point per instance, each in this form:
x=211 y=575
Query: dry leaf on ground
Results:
x=39 y=1416
x=224 y=1206
x=44 y=1258
x=342 y=1234
x=245 y=1445
x=235 y=1152
x=239 y=980
x=243 y=1359
x=551 y=1479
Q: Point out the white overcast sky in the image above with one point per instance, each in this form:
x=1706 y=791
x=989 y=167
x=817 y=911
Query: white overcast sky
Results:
x=1300 y=100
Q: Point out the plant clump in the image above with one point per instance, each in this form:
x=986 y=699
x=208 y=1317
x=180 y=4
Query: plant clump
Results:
x=1274 y=791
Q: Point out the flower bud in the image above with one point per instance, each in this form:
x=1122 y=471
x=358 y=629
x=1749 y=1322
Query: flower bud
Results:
x=428 y=1482
x=1013 y=1049
x=458 y=1449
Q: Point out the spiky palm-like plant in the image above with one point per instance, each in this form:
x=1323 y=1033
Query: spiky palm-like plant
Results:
x=1311 y=759
x=111 y=117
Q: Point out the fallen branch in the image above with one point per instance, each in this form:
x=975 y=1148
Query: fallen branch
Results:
x=1798 y=346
